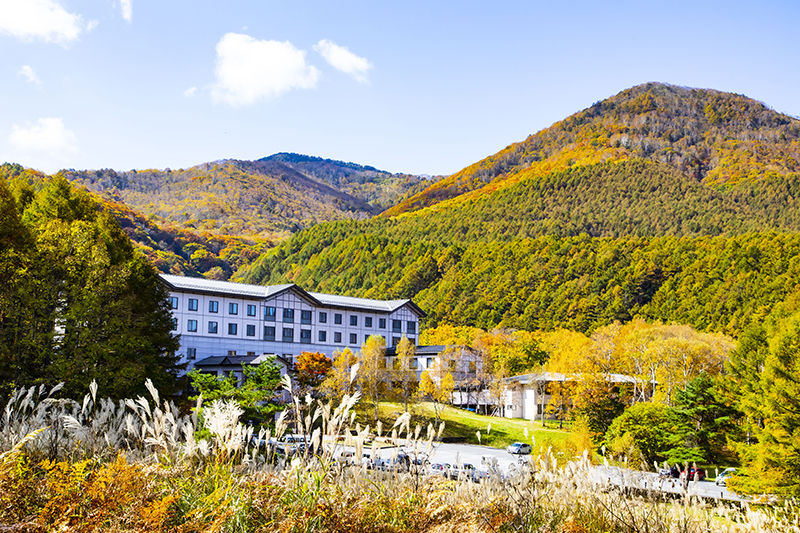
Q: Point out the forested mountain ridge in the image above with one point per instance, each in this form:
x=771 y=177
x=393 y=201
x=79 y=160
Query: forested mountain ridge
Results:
x=257 y=199
x=379 y=188
x=215 y=217
x=711 y=136
x=662 y=202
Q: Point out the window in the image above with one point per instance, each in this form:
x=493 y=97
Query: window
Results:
x=382 y=323
x=174 y=324
x=191 y=326
x=366 y=337
x=269 y=333
x=472 y=367
x=305 y=336
x=322 y=336
x=251 y=330
x=249 y=354
x=288 y=315
x=337 y=318
x=173 y=302
x=411 y=327
x=337 y=337
x=367 y=321
x=191 y=353
x=414 y=364
x=232 y=353
x=233 y=309
x=353 y=338
x=212 y=327
x=192 y=304
x=305 y=317
x=213 y=306
x=251 y=310
x=452 y=364
x=232 y=329
x=353 y=320
x=428 y=362
x=269 y=314
x=323 y=318
x=397 y=326
x=395 y=341
x=288 y=335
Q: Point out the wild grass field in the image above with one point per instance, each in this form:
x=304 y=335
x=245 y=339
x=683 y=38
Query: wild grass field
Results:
x=139 y=465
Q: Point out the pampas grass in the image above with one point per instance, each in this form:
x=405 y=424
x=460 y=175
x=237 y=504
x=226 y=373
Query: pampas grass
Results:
x=138 y=465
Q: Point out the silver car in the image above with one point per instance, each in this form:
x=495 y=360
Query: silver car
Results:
x=519 y=448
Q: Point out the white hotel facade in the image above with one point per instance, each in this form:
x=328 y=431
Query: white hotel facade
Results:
x=220 y=318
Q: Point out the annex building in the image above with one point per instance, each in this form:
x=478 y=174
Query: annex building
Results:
x=226 y=319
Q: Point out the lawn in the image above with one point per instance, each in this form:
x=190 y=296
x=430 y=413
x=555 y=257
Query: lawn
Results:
x=495 y=431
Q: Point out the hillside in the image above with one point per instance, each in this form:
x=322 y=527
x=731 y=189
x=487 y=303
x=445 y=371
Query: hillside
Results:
x=576 y=230
x=378 y=188
x=711 y=136
x=213 y=218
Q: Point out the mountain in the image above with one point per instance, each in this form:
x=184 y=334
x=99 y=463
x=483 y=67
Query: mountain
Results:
x=379 y=188
x=710 y=136
x=661 y=202
x=264 y=198
x=215 y=217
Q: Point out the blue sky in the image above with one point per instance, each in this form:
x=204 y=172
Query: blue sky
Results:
x=418 y=87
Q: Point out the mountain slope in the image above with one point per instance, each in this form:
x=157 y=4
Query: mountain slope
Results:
x=575 y=228
x=254 y=199
x=379 y=188
x=711 y=136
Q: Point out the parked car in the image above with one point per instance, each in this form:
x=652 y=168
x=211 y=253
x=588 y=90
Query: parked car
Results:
x=694 y=473
x=440 y=469
x=466 y=471
x=519 y=448
x=289 y=444
x=724 y=476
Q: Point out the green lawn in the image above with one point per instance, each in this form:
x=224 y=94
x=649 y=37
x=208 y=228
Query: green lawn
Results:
x=465 y=424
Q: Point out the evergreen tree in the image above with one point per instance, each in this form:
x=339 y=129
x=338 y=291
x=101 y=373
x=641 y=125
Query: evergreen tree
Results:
x=88 y=307
x=765 y=376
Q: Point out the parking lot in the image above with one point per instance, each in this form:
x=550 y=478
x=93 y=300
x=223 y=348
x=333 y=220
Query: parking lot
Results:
x=482 y=456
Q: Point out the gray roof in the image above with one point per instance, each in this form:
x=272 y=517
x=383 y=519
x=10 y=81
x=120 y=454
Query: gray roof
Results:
x=183 y=283
x=223 y=287
x=331 y=300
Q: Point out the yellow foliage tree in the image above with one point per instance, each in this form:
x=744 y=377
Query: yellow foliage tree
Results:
x=436 y=384
x=338 y=381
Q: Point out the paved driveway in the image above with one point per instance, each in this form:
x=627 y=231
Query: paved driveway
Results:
x=479 y=455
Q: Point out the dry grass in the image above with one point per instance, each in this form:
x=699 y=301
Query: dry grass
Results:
x=138 y=466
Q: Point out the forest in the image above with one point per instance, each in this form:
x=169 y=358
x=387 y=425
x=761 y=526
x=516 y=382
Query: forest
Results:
x=710 y=136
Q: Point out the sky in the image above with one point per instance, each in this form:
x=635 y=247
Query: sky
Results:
x=422 y=87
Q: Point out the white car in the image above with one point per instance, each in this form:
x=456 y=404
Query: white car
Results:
x=519 y=448
x=722 y=478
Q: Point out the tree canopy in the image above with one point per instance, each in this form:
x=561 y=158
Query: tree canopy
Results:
x=78 y=303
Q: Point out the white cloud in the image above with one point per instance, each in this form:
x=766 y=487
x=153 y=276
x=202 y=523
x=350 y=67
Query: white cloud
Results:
x=342 y=59
x=48 y=137
x=188 y=93
x=46 y=20
x=30 y=76
x=127 y=9
x=248 y=70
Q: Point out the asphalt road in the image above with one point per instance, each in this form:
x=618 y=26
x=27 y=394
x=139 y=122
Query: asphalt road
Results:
x=481 y=456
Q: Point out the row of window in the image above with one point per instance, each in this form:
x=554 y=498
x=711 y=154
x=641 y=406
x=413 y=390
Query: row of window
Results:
x=270 y=314
x=213 y=306
x=269 y=332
